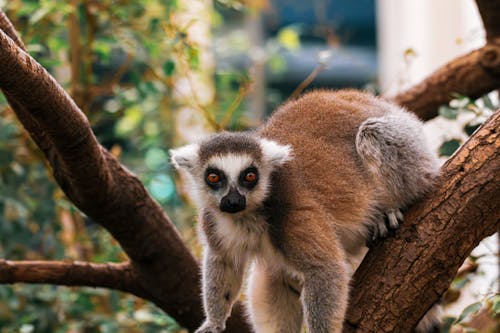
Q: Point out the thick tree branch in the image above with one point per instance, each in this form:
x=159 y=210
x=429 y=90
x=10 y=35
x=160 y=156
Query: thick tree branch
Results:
x=472 y=75
x=490 y=14
x=401 y=278
x=111 y=275
x=9 y=29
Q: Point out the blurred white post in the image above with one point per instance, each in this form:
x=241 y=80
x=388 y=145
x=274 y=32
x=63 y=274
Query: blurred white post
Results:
x=194 y=88
x=257 y=95
x=415 y=37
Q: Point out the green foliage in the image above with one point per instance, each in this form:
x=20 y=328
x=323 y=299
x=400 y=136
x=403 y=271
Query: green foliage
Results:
x=129 y=54
x=488 y=309
x=477 y=111
x=448 y=147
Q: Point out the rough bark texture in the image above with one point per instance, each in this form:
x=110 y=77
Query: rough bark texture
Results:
x=473 y=74
x=162 y=269
x=165 y=270
x=403 y=276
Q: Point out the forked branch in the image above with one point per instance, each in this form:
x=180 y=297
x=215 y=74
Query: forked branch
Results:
x=473 y=75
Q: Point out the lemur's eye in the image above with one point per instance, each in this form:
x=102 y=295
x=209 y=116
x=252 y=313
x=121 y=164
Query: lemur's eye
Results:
x=213 y=178
x=250 y=177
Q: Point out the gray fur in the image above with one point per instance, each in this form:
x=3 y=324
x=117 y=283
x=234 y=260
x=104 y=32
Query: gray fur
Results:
x=324 y=295
x=395 y=152
x=222 y=281
x=227 y=142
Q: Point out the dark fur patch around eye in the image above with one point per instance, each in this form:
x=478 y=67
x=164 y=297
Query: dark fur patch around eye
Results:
x=249 y=184
x=218 y=185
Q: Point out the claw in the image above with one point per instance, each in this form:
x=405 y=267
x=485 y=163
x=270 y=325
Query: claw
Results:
x=385 y=226
x=395 y=217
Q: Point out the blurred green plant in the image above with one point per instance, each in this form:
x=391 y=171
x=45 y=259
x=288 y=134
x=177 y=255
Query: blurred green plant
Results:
x=475 y=112
x=483 y=316
x=119 y=60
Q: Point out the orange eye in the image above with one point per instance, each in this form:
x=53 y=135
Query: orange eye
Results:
x=213 y=178
x=250 y=177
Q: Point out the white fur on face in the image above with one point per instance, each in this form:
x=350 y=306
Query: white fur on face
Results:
x=185 y=157
x=231 y=164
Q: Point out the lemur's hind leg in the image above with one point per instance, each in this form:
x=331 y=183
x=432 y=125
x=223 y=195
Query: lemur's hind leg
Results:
x=274 y=304
x=393 y=150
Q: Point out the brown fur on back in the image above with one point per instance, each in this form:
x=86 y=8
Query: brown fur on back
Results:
x=321 y=126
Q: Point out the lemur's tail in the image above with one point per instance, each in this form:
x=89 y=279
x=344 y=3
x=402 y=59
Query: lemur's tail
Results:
x=394 y=150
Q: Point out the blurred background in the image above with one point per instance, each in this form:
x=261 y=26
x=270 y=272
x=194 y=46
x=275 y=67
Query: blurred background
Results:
x=154 y=74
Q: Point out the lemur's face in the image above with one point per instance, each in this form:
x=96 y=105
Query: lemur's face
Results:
x=231 y=171
x=235 y=181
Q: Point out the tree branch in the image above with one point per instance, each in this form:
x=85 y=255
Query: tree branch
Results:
x=111 y=275
x=490 y=15
x=472 y=75
x=402 y=277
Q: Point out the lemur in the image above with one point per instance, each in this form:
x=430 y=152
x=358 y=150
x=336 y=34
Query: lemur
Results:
x=296 y=199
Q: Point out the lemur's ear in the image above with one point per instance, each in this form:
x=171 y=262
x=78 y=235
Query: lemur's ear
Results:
x=185 y=157
x=275 y=153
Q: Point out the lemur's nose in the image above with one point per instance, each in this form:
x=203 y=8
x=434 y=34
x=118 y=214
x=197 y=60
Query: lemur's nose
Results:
x=233 y=202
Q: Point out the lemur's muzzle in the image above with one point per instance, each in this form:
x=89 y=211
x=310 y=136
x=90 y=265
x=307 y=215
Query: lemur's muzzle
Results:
x=233 y=202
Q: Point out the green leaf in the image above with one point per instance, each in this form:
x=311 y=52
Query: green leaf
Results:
x=129 y=122
x=473 y=308
x=168 y=67
x=193 y=55
x=447 y=112
x=447 y=323
x=449 y=147
x=496 y=305
x=38 y=15
x=289 y=38
x=470 y=129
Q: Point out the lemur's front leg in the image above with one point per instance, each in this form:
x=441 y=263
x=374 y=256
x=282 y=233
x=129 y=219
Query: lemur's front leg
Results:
x=222 y=278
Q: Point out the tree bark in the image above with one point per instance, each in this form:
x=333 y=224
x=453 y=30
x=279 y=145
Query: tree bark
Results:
x=402 y=277
x=110 y=275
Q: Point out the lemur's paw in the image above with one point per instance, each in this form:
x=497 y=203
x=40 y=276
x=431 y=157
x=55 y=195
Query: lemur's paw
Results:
x=385 y=226
x=393 y=218
x=209 y=327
